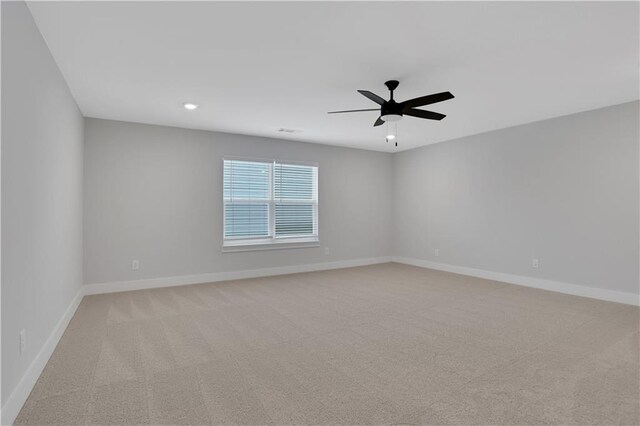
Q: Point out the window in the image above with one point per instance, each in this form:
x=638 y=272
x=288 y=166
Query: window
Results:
x=267 y=203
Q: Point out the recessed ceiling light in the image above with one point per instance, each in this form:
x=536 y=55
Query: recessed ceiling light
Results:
x=190 y=106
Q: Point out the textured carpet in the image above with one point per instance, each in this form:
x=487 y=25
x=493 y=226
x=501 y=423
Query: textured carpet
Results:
x=383 y=344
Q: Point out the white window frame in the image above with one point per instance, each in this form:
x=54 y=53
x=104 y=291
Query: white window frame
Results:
x=234 y=244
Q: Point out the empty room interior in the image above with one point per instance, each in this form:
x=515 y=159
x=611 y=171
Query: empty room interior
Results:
x=313 y=213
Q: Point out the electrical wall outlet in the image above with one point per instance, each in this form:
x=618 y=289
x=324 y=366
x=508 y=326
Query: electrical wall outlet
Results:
x=535 y=263
x=437 y=252
x=326 y=251
x=135 y=265
x=23 y=341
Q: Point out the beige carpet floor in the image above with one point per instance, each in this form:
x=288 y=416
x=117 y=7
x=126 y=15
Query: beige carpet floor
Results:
x=383 y=344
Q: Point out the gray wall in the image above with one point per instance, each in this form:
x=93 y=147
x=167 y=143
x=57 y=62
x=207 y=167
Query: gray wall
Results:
x=154 y=194
x=42 y=144
x=563 y=190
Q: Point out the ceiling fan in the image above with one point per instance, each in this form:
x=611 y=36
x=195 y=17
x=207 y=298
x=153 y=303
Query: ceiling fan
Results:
x=393 y=111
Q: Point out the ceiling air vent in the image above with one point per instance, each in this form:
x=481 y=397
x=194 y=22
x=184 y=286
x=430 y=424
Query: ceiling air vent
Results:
x=283 y=130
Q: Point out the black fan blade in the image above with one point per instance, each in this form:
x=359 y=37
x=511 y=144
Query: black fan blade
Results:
x=423 y=114
x=375 y=98
x=379 y=122
x=354 y=110
x=427 y=100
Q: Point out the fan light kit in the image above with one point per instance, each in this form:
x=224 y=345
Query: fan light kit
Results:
x=391 y=111
x=392 y=130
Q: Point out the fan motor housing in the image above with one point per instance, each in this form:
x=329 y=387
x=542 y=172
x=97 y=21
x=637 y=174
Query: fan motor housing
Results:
x=391 y=111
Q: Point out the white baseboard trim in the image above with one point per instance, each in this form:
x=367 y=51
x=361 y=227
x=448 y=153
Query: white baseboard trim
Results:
x=113 y=287
x=557 y=286
x=21 y=392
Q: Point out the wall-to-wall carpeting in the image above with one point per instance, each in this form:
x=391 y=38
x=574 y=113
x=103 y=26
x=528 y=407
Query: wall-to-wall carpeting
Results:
x=389 y=343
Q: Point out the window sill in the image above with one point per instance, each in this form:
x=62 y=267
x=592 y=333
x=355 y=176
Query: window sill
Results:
x=232 y=246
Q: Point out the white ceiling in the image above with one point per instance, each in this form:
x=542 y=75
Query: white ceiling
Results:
x=257 y=67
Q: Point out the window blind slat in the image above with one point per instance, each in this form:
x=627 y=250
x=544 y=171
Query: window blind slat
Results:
x=294 y=219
